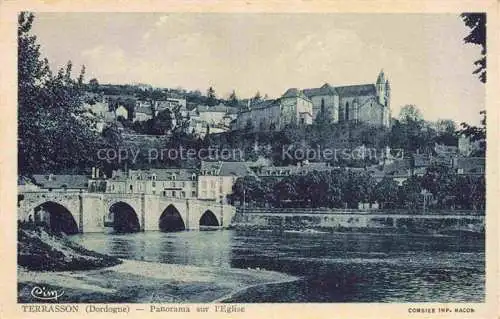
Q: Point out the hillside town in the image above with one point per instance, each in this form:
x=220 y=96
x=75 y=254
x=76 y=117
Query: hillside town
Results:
x=272 y=166
x=140 y=113
x=135 y=112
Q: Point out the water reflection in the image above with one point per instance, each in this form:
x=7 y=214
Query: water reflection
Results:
x=333 y=267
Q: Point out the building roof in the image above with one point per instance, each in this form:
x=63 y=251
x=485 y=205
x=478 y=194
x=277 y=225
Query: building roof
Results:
x=162 y=174
x=356 y=90
x=294 y=92
x=61 y=181
x=294 y=169
x=326 y=89
x=217 y=108
x=261 y=105
x=397 y=166
x=238 y=169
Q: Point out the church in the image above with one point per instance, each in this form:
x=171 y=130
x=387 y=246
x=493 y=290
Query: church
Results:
x=366 y=103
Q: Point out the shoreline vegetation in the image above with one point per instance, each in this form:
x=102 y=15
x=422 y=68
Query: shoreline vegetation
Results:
x=54 y=262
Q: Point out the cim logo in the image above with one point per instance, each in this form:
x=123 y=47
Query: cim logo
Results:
x=44 y=293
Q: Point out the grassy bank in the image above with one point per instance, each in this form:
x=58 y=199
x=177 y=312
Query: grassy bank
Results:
x=39 y=249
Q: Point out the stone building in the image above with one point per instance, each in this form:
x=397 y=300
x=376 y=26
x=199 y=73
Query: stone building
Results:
x=368 y=103
x=293 y=107
x=171 y=182
x=216 y=179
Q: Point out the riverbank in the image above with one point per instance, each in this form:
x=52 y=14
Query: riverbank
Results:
x=361 y=222
x=39 y=249
x=146 y=282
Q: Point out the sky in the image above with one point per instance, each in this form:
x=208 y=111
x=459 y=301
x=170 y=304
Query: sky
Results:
x=423 y=55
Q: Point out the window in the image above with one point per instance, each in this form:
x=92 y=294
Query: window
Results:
x=164 y=193
x=131 y=188
x=347 y=110
x=193 y=194
x=193 y=184
x=183 y=194
x=153 y=184
x=322 y=105
x=173 y=184
x=183 y=184
x=154 y=177
x=154 y=192
x=212 y=184
x=173 y=194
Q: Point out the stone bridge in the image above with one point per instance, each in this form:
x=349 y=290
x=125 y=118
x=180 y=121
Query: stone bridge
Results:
x=92 y=212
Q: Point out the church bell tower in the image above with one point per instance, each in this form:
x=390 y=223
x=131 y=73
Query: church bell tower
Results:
x=381 y=86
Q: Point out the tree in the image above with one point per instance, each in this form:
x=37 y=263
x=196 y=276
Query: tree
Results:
x=410 y=113
x=163 y=122
x=93 y=85
x=211 y=97
x=446 y=132
x=441 y=182
x=257 y=96
x=247 y=189
x=233 y=99
x=55 y=131
x=410 y=193
x=477 y=23
x=475 y=133
x=285 y=192
x=386 y=192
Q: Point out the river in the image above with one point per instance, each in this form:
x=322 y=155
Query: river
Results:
x=333 y=267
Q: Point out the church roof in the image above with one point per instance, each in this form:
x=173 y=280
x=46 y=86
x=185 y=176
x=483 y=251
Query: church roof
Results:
x=326 y=89
x=357 y=90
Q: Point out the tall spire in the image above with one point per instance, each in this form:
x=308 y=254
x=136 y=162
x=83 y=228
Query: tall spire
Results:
x=381 y=77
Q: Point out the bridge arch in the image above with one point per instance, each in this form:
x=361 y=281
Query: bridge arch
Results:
x=171 y=220
x=57 y=217
x=209 y=219
x=123 y=218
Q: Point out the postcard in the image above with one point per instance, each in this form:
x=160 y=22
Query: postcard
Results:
x=249 y=159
